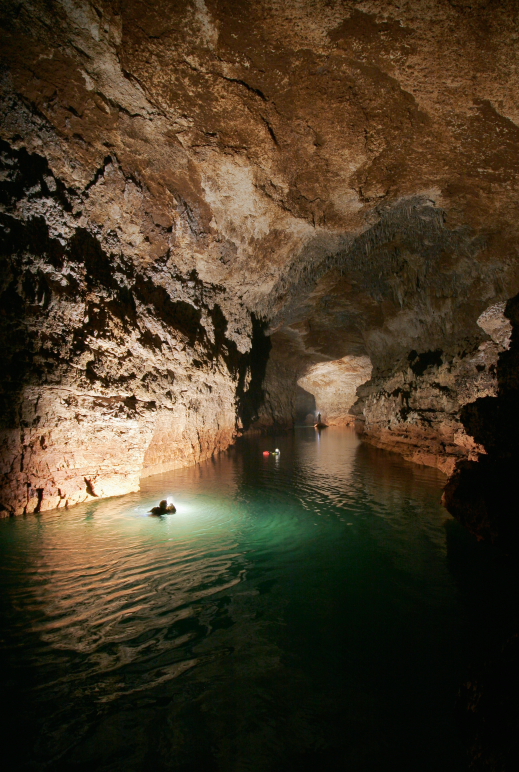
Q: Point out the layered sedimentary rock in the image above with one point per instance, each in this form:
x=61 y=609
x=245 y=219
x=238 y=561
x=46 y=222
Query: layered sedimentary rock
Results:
x=190 y=186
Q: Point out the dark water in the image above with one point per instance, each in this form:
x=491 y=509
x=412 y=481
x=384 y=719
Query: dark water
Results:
x=312 y=612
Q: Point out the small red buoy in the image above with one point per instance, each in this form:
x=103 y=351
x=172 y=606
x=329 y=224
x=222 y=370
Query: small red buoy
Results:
x=266 y=452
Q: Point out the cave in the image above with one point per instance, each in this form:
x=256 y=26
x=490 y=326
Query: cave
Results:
x=224 y=222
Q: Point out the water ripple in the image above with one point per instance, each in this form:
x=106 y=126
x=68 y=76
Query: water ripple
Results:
x=244 y=611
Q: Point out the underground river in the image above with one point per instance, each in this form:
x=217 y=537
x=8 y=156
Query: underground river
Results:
x=313 y=611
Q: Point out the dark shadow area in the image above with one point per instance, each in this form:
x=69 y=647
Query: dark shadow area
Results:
x=483 y=496
x=253 y=365
x=486 y=709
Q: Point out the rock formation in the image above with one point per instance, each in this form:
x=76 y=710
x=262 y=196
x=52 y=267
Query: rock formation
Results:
x=111 y=372
x=482 y=493
x=416 y=411
x=206 y=205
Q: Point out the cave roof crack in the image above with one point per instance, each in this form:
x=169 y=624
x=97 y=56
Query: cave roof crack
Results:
x=135 y=80
x=100 y=172
x=217 y=74
x=270 y=130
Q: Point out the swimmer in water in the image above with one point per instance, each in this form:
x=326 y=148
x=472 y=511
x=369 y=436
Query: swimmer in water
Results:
x=164 y=508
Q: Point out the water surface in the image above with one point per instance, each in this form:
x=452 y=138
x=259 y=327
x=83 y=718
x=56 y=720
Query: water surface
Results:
x=312 y=611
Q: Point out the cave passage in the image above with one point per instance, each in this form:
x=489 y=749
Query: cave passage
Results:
x=306 y=612
x=221 y=221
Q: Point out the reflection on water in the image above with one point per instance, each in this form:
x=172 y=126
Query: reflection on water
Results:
x=295 y=613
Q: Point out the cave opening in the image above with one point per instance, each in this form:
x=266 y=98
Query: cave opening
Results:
x=220 y=225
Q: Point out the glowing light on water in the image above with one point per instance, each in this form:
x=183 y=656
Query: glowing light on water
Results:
x=183 y=508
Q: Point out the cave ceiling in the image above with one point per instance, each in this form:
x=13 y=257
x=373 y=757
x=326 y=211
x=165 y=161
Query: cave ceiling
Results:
x=262 y=144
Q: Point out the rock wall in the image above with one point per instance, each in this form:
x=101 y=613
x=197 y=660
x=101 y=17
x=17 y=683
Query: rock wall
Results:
x=416 y=411
x=482 y=493
x=282 y=398
x=110 y=372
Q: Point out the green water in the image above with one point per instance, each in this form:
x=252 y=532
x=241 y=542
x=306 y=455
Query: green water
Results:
x=309 y=612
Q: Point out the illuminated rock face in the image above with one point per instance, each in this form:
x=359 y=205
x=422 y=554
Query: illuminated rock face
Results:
x=334 y=386
x=111 y=372
x=416 y=411
x=180 y=179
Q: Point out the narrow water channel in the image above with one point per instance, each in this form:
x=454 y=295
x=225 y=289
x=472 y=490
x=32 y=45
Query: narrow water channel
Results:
x=315 y=611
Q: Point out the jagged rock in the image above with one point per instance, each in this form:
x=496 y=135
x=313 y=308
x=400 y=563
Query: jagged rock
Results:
x=482 y=493
x=416 y=411
x=495 y=324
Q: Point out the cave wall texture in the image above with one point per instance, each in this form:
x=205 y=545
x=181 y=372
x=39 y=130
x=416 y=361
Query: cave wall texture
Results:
x=203 y=202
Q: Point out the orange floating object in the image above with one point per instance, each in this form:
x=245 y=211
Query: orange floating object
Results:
x=266 y=452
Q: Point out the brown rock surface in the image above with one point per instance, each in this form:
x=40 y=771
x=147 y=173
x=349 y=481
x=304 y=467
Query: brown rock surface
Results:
x=334 y=386
x=416 y=412
x=344 y=172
